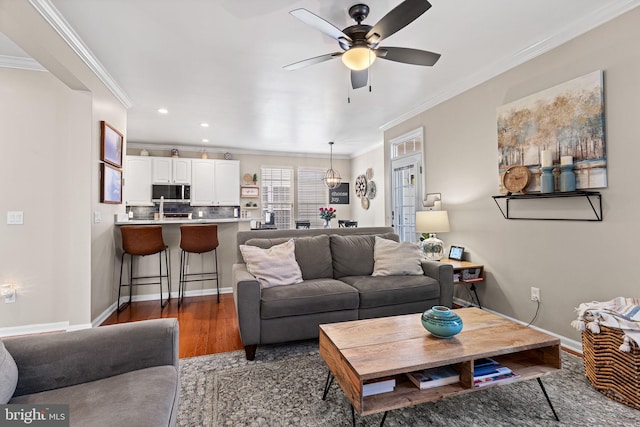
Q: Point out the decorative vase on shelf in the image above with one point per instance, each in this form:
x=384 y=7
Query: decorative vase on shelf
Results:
x=567 y=178
x=441 y=322
x=327 y=223
x=547 y=181
x=433 y=248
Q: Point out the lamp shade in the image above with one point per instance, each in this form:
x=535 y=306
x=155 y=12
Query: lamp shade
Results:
x=432 y=222
x=358 y=58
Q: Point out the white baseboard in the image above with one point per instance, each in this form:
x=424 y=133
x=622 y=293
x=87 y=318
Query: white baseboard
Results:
x=104 y=315
x=39 y=328
x=42 y=328
x=572 y=345
x=155 y=297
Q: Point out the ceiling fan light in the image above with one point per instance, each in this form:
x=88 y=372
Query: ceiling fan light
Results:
x=358 y=58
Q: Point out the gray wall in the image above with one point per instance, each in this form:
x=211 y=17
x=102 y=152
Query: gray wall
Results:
x=571 y=262
x=62 y=262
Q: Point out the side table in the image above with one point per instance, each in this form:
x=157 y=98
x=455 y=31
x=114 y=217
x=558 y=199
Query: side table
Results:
x=467 y=273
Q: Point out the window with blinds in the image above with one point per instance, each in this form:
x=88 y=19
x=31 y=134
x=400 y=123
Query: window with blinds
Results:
x=312 y=195
x=277 y=195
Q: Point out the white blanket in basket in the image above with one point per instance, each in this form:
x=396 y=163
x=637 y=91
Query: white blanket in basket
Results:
x=620 y=313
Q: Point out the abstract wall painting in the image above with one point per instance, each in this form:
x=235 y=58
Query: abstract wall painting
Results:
x=567 y=120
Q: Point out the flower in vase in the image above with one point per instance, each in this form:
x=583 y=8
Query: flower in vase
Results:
x=327 y=213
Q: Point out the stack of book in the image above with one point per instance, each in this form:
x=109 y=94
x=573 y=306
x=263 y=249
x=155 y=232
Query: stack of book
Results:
x=434 y=377
x=487 y=372
x=379 y=385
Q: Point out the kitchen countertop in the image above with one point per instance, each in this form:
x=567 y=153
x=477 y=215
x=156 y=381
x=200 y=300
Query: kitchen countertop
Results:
x=182 y=221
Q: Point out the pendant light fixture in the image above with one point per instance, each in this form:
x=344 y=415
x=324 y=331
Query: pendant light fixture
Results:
x=332 y=177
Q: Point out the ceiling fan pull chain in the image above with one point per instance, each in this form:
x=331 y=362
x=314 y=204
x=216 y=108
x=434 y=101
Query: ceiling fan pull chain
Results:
x=348 y=91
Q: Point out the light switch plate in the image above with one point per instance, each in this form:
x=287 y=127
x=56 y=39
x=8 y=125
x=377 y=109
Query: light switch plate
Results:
x=97 y=217
x=15 y=217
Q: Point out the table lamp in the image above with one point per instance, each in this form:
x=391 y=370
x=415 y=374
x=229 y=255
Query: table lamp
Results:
x=432 y=222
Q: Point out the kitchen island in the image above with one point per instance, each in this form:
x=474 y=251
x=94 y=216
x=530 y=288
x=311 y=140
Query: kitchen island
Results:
x=227 y=230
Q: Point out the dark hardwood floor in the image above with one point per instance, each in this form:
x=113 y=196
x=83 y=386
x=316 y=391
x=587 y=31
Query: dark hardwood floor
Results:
x=206 y=327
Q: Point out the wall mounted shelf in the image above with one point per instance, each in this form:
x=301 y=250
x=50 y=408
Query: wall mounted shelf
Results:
x=593 y=200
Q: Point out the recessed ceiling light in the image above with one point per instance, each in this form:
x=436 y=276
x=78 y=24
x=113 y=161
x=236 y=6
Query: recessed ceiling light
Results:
x=204 y=125
x=163 y=111
x=205 y=140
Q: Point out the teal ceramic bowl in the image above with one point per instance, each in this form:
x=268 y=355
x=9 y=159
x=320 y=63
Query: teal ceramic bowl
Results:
x=441 y=321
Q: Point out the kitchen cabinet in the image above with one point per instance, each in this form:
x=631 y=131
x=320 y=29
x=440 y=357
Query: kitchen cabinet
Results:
x=202 y=182
x=137 y=181
x=215 y=182
x=227 y=182
x=169 y=170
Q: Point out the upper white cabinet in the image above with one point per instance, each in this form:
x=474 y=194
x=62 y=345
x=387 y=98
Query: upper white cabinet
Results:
x=215 y=183
x=182 y=171
x=137 y=181
x=168 y=170
x=227 y=182
x=202 y=178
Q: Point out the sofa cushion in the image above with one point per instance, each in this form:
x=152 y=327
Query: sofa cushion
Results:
x=353 y=255
x=275 y=266
x=8 y=375
x=313 y=254
x=396 y=258
x=308 y=297
x=378 y=291
x=139 y=398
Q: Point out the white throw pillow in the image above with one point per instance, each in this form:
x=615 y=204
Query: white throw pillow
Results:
x=275 y=266
x=8 y=375
x=396 y=259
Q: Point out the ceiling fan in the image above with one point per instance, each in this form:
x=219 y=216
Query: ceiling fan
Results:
x=361 y=42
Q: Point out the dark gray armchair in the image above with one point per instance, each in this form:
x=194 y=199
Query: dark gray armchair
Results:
x=120 y=375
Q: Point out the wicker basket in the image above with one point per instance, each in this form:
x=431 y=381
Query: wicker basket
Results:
x=613 y=372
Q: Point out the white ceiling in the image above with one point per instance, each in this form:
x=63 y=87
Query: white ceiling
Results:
x=221 y=62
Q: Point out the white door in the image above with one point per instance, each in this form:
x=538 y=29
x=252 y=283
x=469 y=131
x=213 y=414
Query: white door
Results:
x=406 y=187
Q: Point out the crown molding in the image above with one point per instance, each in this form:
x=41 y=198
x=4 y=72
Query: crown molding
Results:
x=232 y=150
x=366 y=150
x=62 y=27
x=21 y=63
x=598 y=17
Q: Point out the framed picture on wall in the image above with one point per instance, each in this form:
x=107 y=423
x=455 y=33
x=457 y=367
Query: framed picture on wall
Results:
x=111 y=141
x=110 y=184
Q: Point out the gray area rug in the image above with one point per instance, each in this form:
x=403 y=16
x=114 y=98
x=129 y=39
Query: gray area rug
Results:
x=283 y=387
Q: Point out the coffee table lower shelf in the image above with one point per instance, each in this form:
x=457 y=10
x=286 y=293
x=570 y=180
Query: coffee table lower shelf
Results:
x=407 y=394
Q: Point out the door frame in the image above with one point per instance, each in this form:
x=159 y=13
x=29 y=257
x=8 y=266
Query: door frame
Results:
x=415 y=157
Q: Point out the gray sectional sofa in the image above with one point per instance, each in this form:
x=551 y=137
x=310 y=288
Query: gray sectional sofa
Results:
x=119 y=375
x=337 y=266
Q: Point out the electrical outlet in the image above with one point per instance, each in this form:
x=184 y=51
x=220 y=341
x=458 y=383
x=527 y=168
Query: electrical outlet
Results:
x=9 y=293
x=15 y=217
x=535 y=294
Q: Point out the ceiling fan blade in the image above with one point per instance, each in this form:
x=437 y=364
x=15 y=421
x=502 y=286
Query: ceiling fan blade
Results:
x=312 y=61
x=408 y=55
x=359 y=78
x=398 y=18
x=320 y=24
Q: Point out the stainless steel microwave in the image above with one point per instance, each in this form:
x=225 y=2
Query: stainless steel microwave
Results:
x=171 y=193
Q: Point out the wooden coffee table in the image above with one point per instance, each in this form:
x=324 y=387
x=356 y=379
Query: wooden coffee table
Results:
x=363 y=350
